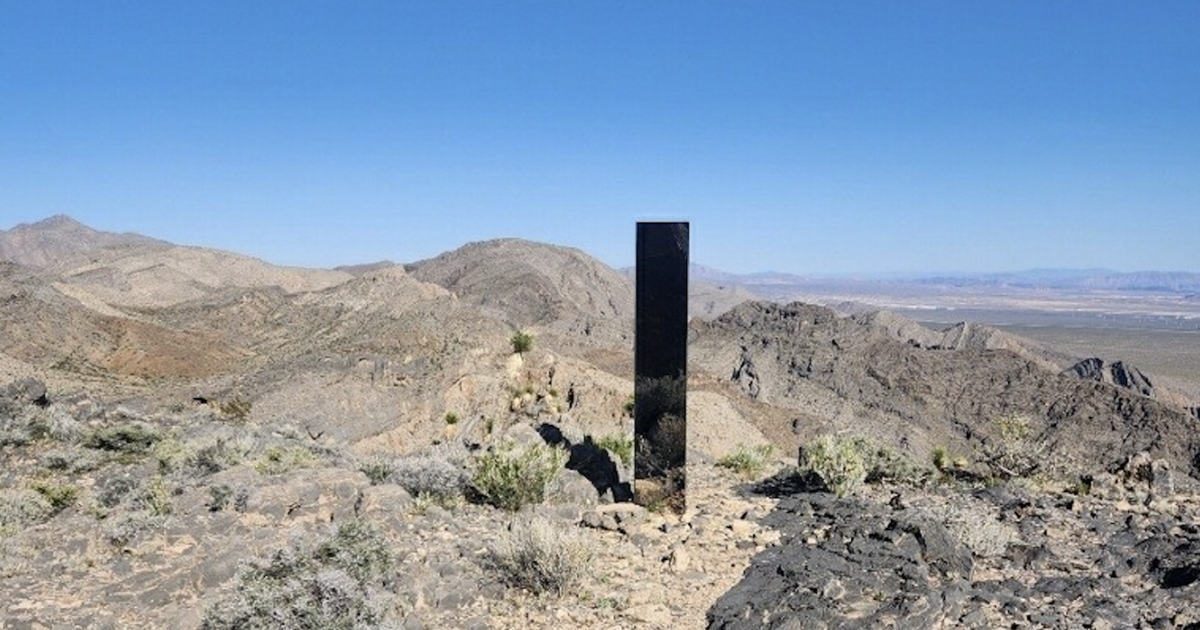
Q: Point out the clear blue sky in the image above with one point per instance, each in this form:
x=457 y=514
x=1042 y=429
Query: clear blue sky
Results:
x=813 y=137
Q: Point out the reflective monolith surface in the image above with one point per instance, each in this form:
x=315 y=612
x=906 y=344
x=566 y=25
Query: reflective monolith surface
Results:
x=660 y=363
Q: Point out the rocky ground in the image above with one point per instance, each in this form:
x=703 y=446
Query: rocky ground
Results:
x=99 y=532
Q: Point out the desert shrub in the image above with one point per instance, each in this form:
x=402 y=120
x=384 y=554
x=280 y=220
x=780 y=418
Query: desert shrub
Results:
x=155 y=496
x=219 y=497
x=236 y=409
x=1016 y=454
x=451 y=418
x=837 y=461
x=213 y=458
x=278 y=460
x=71 y=460
x=111 y=491
x=358 y=549
x=749 y=462
x=378 y=468
x=977 y=527
x=886 y=464
x=509 y=477
x=619 y=445
x=170 y=454
x=20 y=508
x=522 y=342
x=843 y=463
x=60 y=496
x=432 y=475
x=328 y=588
x=537 y=555
x=129 y=437
x=126 y=529
x=54 y=424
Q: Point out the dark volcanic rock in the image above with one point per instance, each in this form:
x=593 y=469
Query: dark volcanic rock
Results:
x=1117 y=373
x=861 y=568
x=1079 y=563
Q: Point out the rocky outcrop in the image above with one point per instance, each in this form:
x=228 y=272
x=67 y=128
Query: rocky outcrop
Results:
x=1118 y=373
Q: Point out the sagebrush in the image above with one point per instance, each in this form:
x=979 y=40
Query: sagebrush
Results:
x=539 y=556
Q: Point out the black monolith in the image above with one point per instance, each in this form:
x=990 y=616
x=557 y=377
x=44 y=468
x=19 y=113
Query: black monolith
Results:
x=660 y=363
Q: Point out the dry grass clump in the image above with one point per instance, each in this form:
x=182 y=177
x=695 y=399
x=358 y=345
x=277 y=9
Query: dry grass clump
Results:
x=748 y=462
x=277 y=460
x=539 y=556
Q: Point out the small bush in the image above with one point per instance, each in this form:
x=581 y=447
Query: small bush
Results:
x=539 y=556
x=170 y=454
x=213 y=458
x=133 y=438
x=1015 y=454
x=433 y=476
x=219 y=497
x=748 y=462
x=378 y=469
x=509 y=477
x=328 y=588
x=619 y=445
x=22 y=508
x=451 y=418
x=522 y=342
x=128 y=527
x=837 y=461
x=277 y=460
x=60 y=496
x=358 y=549
x=155 y=497
x=236 y=409
x=72 y=460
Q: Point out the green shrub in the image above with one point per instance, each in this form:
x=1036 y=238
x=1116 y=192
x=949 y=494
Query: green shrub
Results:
x=522 y=342
x=509 y=477
x=748 y=462
x=331 y=587
x=450 y=417
x=378 y=468
x=155 y=497
x=60 y=496
x=837 y=461
x=537 y=555
x=130 y=437
x=619 y=445
x=277 y=460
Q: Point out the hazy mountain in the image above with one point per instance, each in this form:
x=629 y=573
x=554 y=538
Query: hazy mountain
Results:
x=133 y=271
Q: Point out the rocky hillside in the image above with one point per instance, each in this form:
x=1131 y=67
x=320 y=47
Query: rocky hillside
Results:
x=530 y=284
x=856 y=375
x=190 y=436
